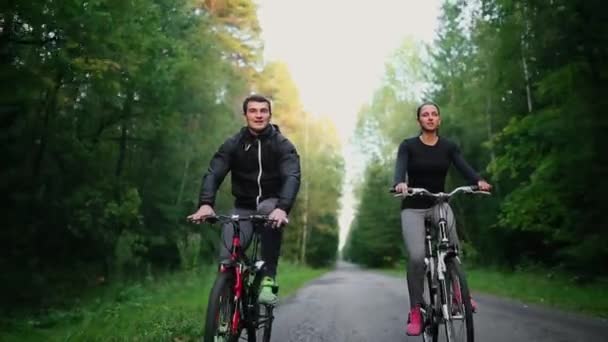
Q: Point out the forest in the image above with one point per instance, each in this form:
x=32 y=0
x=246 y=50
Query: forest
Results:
x=111 y=110
x=110 y=113
x=522 y=90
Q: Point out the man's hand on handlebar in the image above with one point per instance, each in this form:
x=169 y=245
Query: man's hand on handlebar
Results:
x=201 y=214
x=278 y=217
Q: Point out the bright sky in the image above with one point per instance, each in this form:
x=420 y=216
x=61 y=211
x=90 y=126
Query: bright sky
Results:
x=335 y=51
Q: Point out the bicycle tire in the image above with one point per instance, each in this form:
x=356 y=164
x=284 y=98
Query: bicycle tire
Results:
x=264 y=328
x=459 y=304
x=264 y=313
x=220 y=309
x=431 y=324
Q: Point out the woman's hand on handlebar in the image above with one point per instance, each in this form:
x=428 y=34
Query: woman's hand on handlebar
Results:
x=401 y=188
x=484 y=186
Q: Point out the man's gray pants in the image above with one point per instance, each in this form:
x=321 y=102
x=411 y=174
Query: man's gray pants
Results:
x=270 y=237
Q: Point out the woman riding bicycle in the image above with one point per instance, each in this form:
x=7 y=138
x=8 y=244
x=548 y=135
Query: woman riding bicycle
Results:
x=423 y=162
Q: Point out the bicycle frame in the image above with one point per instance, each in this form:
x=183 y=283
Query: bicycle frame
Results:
x=444 y=250
x=239 y=263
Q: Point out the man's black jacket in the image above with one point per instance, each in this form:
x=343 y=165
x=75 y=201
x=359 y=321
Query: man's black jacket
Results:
x=262 y=166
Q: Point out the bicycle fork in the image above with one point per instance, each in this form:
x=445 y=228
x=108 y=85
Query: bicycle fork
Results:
x=442 y=253
x=238 y=294
x=431 y=269
x=240 y=271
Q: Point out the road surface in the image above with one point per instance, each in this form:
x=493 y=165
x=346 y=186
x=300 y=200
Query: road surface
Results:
x=353 y=305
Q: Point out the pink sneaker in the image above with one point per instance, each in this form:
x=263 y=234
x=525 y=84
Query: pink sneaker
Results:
x=457 y=298
x=456 y=302
x=473 y=305
x=414 y=322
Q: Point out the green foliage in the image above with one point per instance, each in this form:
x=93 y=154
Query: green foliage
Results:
x=523 y=80
x=375 y=238
x=113 y=113
x=311 y=236
x=321 y=246
x=169 y=309
x=390 y=117
x=189 y=248
x=521 y=86
x=114 y=110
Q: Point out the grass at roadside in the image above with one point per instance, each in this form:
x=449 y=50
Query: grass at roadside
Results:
x=546 y=287
x=168 y=309
x=537 y=286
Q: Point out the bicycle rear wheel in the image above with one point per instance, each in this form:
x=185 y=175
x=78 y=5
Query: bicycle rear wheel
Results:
x=459 y=328
x=220 y=310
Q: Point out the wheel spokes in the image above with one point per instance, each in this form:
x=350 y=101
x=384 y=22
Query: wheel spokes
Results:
x=456 y=324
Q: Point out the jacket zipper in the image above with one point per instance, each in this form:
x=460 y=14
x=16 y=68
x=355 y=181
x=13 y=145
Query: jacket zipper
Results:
x=257 y=199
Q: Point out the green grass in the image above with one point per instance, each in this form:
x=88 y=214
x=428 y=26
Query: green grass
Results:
x=536 y=286
x=167 y=309
x=548 y=288
x=291 y=277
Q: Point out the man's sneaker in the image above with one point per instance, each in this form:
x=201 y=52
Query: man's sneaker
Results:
x=414 y=322
x=268 y=292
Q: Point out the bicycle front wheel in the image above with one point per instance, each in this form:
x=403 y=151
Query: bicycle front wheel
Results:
x=264 y=313
x=430 y=333
x=265 y=319
x=459 y=325
x=220 y=311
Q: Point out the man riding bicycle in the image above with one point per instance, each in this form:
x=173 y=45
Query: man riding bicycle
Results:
x=423 y=162
x=265 y=170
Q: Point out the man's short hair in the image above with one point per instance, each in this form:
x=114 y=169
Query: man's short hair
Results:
x=256 y=98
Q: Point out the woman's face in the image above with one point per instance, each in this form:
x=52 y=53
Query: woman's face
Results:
x=429 y=118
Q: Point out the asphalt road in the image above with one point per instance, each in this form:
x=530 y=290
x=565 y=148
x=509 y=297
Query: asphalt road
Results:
x=352 y=305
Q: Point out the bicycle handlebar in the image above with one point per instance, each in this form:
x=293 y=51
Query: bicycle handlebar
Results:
x=471 y=189
x=236 y=218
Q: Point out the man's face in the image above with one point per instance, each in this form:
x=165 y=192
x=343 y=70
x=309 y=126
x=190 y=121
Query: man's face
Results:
x=257 y=116
x=429 y=118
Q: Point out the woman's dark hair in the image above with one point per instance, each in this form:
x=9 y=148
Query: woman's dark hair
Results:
x=425 y=103
x=256 y=98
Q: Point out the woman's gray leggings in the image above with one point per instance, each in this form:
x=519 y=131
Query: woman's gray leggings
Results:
x=412 y=226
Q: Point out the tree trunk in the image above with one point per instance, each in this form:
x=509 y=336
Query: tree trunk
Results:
x=304 y=225
x=122 y=142
x=182 y=184
x=49 y=110
x=524 y=50
x=5 y=36
x=490 y=125
x=122 y=149
x=305 y=217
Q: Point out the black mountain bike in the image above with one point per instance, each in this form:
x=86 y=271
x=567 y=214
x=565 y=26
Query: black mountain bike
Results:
x=233 y=311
